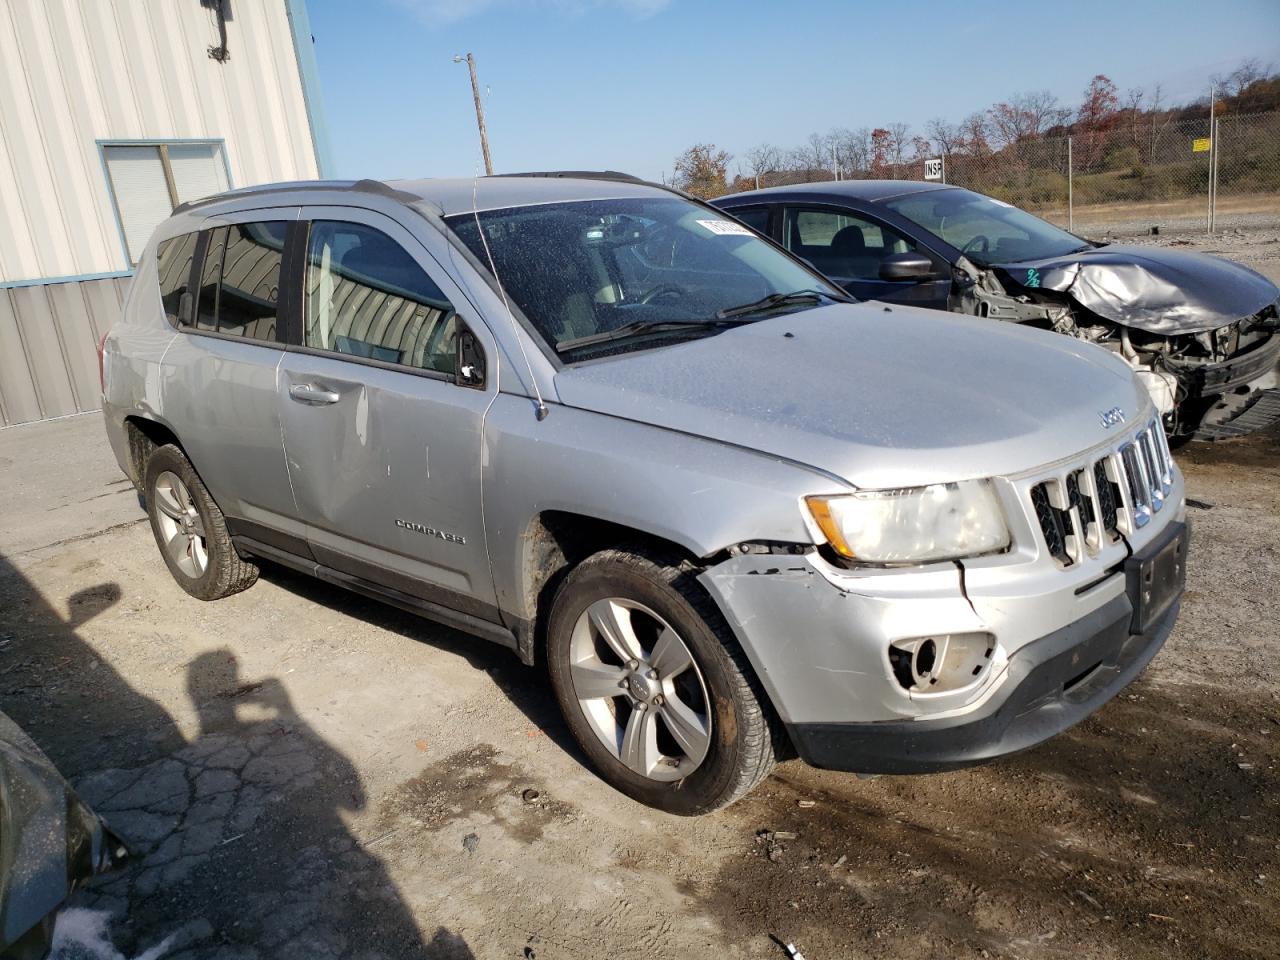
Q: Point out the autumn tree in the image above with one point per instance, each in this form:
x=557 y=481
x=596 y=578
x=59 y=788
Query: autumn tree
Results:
x=1100 y=107
x=881 y=150
x=975 y=131
x=1099 y=111
x=702 y=170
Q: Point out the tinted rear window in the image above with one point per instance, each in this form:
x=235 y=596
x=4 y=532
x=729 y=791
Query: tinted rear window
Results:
x=173 y=262
x=240 y=281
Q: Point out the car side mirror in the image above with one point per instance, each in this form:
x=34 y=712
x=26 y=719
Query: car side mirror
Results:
x=907 y=265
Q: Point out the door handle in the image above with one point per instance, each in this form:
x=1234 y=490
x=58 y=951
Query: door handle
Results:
x=310 y=393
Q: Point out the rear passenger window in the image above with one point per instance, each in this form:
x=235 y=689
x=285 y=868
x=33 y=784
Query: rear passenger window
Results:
x=240 y=281
x=366 y=297
x=757 y=218
x=173 y=262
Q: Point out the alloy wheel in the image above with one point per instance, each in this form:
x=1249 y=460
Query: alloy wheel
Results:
x=637 y=684
x=181 y=528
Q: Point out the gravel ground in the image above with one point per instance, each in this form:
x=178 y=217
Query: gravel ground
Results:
x=303 y=773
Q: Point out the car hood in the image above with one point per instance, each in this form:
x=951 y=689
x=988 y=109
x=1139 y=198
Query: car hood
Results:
x=1150 y=288
x=877 y=396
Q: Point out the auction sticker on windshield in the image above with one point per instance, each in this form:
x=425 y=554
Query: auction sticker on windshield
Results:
x=726 y=228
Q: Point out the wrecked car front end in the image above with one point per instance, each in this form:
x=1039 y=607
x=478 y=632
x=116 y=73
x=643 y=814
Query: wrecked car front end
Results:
x=50 y=842
x=1203 y=334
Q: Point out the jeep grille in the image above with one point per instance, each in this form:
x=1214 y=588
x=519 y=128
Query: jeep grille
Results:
x=1091 y=503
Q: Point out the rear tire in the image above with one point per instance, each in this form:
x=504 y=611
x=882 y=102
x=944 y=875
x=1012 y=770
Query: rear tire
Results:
x=190 y=530
x=653 y=685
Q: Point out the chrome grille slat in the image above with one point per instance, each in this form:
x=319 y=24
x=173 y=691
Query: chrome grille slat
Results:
x=1085 y=507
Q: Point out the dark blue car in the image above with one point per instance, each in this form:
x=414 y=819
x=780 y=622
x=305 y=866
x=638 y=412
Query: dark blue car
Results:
x=1202 y=333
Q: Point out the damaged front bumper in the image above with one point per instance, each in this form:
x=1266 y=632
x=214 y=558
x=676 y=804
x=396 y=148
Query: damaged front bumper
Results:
x=1059 y=644
x=1240 y=395
x=1054 y=683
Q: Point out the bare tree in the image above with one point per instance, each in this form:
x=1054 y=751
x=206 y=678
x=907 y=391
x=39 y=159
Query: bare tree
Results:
x=1249 y=71
x=762 y=160
x=946 y=137
x=899 y=138
x=1026 y=116
x=853 y=149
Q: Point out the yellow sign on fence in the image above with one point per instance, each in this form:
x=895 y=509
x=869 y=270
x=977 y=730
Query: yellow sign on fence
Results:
x=1201 y=145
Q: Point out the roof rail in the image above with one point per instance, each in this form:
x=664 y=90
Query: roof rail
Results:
x=579 y=175
x=358 y=186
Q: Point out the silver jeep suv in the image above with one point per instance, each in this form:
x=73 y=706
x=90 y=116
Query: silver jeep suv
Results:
x=736 y=515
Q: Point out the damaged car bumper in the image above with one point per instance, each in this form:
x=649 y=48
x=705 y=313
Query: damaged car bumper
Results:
x=1240 y=395
x=922 y=669
x=1052 y=684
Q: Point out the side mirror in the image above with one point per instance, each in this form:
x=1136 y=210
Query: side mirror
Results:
x=907 y=265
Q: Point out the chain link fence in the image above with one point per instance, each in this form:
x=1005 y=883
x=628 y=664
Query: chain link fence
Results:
x=1173 y=176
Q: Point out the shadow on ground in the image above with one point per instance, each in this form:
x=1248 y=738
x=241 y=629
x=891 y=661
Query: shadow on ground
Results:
x=239 y=847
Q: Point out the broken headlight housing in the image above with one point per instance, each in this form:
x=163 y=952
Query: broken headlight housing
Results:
x=943 y=521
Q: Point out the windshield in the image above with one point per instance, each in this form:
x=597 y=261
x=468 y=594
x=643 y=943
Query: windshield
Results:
x=627 y=274
x=984 y=229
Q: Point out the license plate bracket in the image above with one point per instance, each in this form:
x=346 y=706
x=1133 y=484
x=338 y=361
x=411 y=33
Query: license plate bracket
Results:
x=1156 y=576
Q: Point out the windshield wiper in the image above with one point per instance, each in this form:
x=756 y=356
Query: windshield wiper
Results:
x=642 y=327
x=775 y=300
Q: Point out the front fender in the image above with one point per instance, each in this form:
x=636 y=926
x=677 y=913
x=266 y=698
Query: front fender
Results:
x=697 y=493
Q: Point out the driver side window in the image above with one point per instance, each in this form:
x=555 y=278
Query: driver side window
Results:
x=839 y=243
x=367 y=297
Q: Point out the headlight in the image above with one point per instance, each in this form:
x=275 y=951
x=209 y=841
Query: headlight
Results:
x=938 y=522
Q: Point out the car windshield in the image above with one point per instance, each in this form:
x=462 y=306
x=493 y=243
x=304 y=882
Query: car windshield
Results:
x=984 y=229
x=610 y=276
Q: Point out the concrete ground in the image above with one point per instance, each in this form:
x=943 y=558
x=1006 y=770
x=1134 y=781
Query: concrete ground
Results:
x=304 y=773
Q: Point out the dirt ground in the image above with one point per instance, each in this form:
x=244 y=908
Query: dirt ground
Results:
x=303 y=773
x=1253 y=212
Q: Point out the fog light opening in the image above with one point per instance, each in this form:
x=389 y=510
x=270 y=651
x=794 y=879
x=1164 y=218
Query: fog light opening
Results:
x=925 y=660
x=941 y=663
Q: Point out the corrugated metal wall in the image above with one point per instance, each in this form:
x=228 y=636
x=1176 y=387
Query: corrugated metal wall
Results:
x=48 y=347
x=75 y=72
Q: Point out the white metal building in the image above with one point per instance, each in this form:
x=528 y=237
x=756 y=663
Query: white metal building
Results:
x=111 y=113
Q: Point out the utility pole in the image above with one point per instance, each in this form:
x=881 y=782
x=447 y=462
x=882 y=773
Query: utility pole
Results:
x=1071 y=205
x=475 y=93
x=1213 y=147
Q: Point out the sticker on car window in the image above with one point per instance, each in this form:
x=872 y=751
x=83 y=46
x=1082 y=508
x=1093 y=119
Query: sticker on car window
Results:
x=726 y=228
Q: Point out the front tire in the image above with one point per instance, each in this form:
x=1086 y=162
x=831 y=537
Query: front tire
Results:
x=653 y=685
x=190 y=530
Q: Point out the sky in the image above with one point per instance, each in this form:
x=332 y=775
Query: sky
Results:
x=629 y=84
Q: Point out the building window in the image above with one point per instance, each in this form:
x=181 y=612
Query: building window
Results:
x=148 y=180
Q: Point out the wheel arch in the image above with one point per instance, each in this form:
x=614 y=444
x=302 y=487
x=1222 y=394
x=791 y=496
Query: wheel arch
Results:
x=556 y=541
x=144 y=435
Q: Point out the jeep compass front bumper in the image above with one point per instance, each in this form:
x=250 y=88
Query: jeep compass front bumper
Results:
x=1054 y=683
x=1061 y=641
